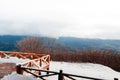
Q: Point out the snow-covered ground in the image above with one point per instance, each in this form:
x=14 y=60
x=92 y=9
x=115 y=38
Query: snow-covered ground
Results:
x=13 y=60
x=83 y=69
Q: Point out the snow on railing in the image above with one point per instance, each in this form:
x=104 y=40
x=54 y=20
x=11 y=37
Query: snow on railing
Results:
x=40 y=61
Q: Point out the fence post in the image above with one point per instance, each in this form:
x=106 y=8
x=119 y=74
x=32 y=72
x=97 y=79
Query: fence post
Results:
x=48 y=70
x=115 y=78
x=60 y=76
x=19 y=69
x=40 y=62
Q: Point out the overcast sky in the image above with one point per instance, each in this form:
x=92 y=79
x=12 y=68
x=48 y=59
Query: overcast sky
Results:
x=54 y=18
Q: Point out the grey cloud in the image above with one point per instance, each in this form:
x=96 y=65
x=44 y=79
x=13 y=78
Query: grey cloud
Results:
x=23 y=28
x=107 y=31
x=55 y=29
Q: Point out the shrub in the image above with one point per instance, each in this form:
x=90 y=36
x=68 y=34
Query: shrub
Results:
x=104 y=57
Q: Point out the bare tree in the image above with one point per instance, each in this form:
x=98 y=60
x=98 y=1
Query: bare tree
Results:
x=30 y=44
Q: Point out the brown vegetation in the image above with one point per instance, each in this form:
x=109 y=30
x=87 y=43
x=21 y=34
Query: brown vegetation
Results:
x=106 y=57
x=30 y=44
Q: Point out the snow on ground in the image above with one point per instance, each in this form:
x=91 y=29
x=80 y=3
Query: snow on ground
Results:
x=13 y=60
x=86 y=69
x=15 y=76
x=83 y=69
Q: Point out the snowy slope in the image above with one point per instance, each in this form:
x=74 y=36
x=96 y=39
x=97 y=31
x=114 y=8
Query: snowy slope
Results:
x=83 y=69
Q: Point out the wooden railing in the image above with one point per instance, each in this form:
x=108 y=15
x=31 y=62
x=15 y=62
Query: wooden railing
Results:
x=39 y=61
x=60 y=74
x=22 y=55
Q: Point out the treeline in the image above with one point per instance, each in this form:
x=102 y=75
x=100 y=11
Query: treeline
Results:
x=86 y=43
x=105 y=57
x=59 y=52
x=8 y=43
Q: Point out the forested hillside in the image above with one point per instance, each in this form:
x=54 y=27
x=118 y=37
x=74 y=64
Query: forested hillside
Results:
x=8 y=43
x=84 y=43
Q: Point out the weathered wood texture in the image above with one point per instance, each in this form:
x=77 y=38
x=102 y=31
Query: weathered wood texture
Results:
x=7 y=68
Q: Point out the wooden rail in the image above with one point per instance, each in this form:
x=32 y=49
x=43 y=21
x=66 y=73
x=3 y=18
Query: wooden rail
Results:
x=40 y=61
x=61 y=75
x=22 y=55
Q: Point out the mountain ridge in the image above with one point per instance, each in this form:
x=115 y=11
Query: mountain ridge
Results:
x=8 y=42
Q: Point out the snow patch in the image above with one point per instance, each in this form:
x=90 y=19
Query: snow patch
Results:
x=13 y=60
x=15 y=76
x=83 y=69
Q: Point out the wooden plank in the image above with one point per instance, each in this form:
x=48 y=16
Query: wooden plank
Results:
x=36 y=65
x=29 y=68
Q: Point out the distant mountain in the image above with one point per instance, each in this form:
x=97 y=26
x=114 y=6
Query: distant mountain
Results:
x=84 y=43
x=8 y=43
x=51 y=43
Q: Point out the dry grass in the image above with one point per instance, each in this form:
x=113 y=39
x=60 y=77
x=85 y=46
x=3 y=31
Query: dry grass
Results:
x=106 y=57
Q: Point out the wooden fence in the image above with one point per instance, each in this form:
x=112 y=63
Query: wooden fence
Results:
x=61 y=75
x=41 y=61
x=22 y=55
